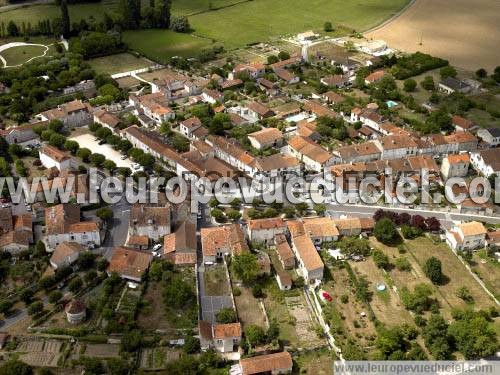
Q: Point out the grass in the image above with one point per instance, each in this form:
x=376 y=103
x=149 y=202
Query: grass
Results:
x=19 y=55
x=488 y=270
x=216 y=282
x=119 y=63
x=159 y=45
x=259 y=20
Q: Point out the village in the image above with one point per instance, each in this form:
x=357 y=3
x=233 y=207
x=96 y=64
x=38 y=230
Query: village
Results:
x=251 y=287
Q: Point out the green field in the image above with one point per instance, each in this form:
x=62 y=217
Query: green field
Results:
x=159 y=45
x=19 y=55
x=119 y=63
x=235 y=24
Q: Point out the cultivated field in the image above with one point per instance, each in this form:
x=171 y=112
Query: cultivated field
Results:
x=464 y=32
x=119 y=63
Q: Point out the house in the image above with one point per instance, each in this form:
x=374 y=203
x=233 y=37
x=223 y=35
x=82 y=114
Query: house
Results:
x=264 y=263
x=16 y=242
x=265 y=230
x=177 y=86
x=62 y=224
x=396 y=146
x=319 y=110
x=72 y=114
x=276 y=165
x=181 y=242
x=455 y=165
x=22 y=134
x=310 y=265
x=232 y=153
x=75 y=311
x=216 y=242
x=375 y=77
x=288 y=77
x=230 y=84
x=271 y=88
x=349 y=226
x=254 y=70
x=307 y=129
x=222 y=337
x=292 y=61
x=486 y=162
x=65 y=254
x=154 y=106
x=314 y=157
x=130 y=264
x=285 y=253
x=368 y=117
x=276 y=363
x=337 y=81
x=359 y=153
x=460 y=141
x=491 y=136
x=449 y=85
x=85 y=85
x=53 y=157
x=284 y=281
x=332 y=97
x=187 y=127
x=321 y=229
x=107 y=120
x=151 y=221
x=259 y=111
x=212 y=96
x=462 y=124
x=138 y=242
x=267 y=137
x=466 y=236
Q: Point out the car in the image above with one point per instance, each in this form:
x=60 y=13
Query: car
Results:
x=101 y=142
x=96 y=139
x=123 y=157
x=157 y=247
x=326 y=296
x=5 y=205
x=28 y=208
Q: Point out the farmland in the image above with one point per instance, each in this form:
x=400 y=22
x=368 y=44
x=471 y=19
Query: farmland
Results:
x=468 y=39
x=119 y=63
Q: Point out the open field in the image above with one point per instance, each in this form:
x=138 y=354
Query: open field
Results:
x=19 y=55
x=465 y=33
x=258 y=20
x=159 y=45
x=488 y=270
x=319 y=362
x=119 y=63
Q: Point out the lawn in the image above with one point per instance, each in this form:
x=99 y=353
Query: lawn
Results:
x=159 y=45
x=249 y=311
x=216 y=282
x=19 y=55
x=119 y=63
x=488 y=270
x=258 y=20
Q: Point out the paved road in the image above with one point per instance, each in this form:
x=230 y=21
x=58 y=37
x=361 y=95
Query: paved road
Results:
x=445 y=218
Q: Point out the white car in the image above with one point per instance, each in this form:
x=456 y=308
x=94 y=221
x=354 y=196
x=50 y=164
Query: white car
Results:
x=124 y=157
x=157 y=247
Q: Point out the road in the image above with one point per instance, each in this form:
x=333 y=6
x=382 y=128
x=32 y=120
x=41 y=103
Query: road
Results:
x=446 y=218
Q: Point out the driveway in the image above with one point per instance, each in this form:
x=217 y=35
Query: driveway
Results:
x=88 y=140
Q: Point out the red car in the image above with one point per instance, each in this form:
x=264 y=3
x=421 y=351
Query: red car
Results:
x=326 y=296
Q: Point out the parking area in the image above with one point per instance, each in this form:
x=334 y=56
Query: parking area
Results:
x=88 y=140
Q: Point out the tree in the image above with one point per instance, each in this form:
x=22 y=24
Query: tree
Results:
x=164 y=21
x=26 y=295
x=226 y=315
x=234 y=215
x=428 y=83
x=57 y=140
x=191 y=345
x=55 y=296
x=71 y=146
x=289 y=211
x=257 y=291
x=385 y=231
x=97 y=159
x=436 y=337
x=419 y=300
x=320 y=209
x=35 y=308
x=5 y=306
x=447 y=71
x=218 y=215
x=301 y=208
x=75 y=285
x=109 y=165
x=328 y=27
x=381 y=260
x=86 y=260
x=180 y=24
x=350 y=246
x=432 y=269
x=255 y=334
x=481 y=73
x=47 y=282
x=65 y=22
x=403 y=264
x=246 y=267
x=283 y=55
x=84 y=154
x=410 y=85
x=464 y=294
x=15 y=367
x=131 y=341
x=104 y=213
x=272 y=59
x=12 y=29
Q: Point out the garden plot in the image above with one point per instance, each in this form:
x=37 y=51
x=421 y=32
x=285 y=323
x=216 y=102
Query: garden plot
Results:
x=157 y=358
x=40 y=353
x=304 y=323
x=102 y=350
x=249 y=311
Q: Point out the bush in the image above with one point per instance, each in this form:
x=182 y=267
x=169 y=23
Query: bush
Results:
x=381 y=260
x=410 y=232
x=432 y=269
x=257 y=291
x=403 y=264
x=191 y=345
x=226 y=315
x=410 y=85
x=35 y=308
x=385 y=231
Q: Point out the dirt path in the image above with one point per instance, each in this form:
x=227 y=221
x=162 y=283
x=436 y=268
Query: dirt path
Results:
x=464 y=32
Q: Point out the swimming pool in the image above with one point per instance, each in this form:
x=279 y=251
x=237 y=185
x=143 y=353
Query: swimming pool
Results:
x=297 y=117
